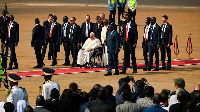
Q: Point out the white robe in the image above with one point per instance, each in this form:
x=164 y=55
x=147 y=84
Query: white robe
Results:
x=15 y=95
x=47 y=87
x=105 y=53
x=83 y=55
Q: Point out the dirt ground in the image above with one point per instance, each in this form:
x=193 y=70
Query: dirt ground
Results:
x=184 y=21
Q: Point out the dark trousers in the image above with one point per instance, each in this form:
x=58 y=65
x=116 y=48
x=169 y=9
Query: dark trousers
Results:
x=112 y=59
x=132 y=14
x=145 y=47
x=67 y=51
x=74 y=52
x=120 y=13
x=38 y=54
x=54 y=53
x=3 y=36
x=13 y=58
x=153 y=50
x=164 y=48
x=129 y=49
x=112 y=14
x=45 y=47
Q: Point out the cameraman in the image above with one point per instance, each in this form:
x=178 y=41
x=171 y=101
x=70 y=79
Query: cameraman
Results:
x=123 y=85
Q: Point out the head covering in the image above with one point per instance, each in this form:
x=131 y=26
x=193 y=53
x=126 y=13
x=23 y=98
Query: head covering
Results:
x=48 y=71
x=21 y=104
x=14 y=78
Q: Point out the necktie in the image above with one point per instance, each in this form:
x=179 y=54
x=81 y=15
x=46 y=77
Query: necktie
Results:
x=126 y=38
x=146 y=33
x=4 y=19
x=51 y=29
x=86 y=31
x=9 y=30
x=71 y=32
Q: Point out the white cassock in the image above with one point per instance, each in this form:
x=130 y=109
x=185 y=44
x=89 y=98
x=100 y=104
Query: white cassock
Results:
x=105 y=53
x=83 y=55
x=15 y=95
x=47 y=87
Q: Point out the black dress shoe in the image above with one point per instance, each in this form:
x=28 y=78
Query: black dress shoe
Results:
x=66 y=64
x=162 y=68
x=53 y=64
x=108 y=74
x=134 y=71
x=156 y=69
x=168 y=68
x=123 y=72
x=116 y=74
x=146 y=69
x=38 y=66
x=9 y=68
x=16 y=67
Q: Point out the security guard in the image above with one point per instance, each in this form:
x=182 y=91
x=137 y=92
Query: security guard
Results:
x=132 y=8
x=48 y=85
x=15 y=93
x=121 y=6
x=112 y=7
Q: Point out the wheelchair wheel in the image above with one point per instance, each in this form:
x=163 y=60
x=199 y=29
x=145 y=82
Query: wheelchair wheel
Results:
x=98 y=59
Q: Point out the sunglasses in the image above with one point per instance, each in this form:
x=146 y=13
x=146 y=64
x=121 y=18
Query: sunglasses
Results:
x=71 y=20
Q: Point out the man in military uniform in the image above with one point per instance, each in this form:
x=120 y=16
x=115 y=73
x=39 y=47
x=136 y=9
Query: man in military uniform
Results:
x=12 y=40
x=4 y=20
x=48 y=85
x=15 y=93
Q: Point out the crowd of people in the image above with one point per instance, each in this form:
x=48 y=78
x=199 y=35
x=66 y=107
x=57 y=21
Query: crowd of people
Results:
x=140 y=98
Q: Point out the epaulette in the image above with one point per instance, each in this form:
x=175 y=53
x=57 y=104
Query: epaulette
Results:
x=7 y=92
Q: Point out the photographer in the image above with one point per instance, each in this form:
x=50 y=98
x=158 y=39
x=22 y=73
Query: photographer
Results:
x=123 y=85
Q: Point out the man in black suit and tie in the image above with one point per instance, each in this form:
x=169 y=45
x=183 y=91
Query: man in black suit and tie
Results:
x=154 y=44
x=75 y=39
x=113 y=43
x=145 y=42
x=4 y=20
x=46 y=25
x=129 y=42
x=37 y=42
x=40 y=102
x=98 y=27
x=12 y=41
x=166 y=42
x=65 y=39
x=86 y=29
x=54 y=35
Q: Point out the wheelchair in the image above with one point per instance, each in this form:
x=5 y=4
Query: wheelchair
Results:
x=95 y=59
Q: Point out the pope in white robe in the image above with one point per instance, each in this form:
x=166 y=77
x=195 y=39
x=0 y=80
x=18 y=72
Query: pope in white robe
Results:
x=87 y=50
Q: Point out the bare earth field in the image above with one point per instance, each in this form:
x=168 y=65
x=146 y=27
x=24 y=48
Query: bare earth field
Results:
x=184 y=21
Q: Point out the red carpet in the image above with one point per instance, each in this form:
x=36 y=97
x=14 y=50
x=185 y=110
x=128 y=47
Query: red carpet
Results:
x=86 y=70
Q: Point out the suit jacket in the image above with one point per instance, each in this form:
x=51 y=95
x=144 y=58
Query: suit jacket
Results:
x=47 y=30
x=167 y=34
x=76 y=36
x=113 y=41
x=40 y=109
x=132 y=34
x=55 y=32
x=179 y=107
x=3 y=25
x=155 y=34
x=65 y=32
x=97 y=31
x=14 y=32
x=83 y=30
x=155 y=108
x=101 y=106
x=38 y=36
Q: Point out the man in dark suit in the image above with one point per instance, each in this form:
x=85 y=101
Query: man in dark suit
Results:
x=37 y=42
x=166 y=42
x=4 y=20
x=75 y=39
x=65 y=39
x=86 y=29
x=12 y=41
x=129 y=42
x=154 y=44
x=46 y=25
x=55 y=38
x=113 y=43
x=145 y=42
x=98 y=27
x=101 y=105
x=40 y=102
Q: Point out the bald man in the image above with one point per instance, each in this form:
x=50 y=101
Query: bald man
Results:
x=40 y=104
x=87 y=50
